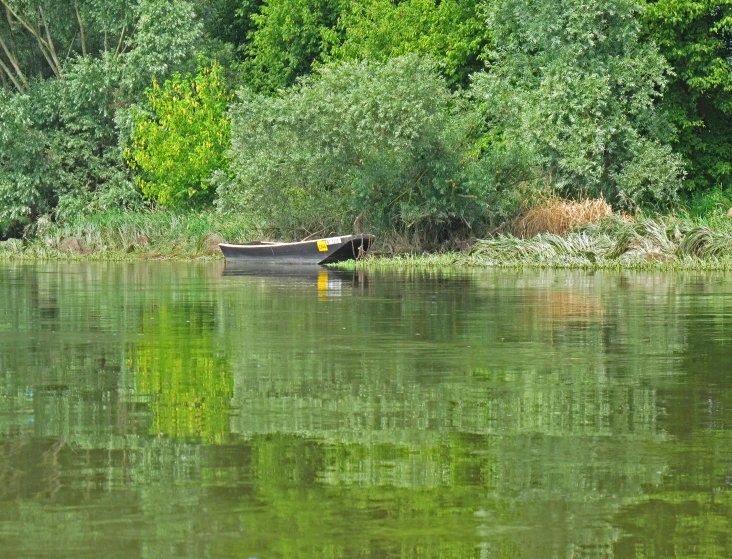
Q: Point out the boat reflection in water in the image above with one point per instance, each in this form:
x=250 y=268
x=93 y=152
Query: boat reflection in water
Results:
x=326 y=282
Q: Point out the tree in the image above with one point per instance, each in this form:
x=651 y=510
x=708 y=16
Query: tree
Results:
x=178 y=146
x=573 y=85
x=695 y=36
x=451 y=31
x=167 y=37
x=229 y=21
x=290 y=36
x=38 y=36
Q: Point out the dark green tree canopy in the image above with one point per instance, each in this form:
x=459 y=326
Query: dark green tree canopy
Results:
x=695 y=36
x=290 y=36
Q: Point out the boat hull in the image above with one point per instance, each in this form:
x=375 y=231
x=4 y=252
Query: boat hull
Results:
x=317 y=251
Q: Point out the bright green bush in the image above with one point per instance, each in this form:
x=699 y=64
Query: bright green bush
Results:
x=386 y=140
x=181 y=142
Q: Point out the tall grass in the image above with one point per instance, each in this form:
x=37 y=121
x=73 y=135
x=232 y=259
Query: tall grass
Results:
x=554 y=215
x=659 y=243
x=710 y=202
x=669 y=242
x=114 y=236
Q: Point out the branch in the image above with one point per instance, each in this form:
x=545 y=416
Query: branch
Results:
x=14 y=62
x=120 y=43
x=6 y=70
x=24 y=22
x=71 y=46
x=51 y=46
x=82 y=31
x=45 y=54
x=42 y=44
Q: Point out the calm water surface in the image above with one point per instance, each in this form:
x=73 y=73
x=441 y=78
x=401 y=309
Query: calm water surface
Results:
x=161 y=410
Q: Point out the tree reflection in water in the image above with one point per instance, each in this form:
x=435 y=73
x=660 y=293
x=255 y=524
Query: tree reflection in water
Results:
x=164 y=410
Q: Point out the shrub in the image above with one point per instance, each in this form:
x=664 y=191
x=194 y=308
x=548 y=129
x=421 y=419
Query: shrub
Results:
x=25 y=184
x=78 y=115
x=386 y=140
x=182 y=141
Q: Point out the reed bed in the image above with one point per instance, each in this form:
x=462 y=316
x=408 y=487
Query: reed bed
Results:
x=558 y=216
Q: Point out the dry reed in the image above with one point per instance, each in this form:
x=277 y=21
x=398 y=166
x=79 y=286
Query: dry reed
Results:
x=557 y=216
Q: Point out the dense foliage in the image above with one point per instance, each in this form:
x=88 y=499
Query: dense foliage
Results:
x=389 y=141
x=290 y=36
x=23 y=174
x=453 y=32
x=497 y=99
x=695 y=37
x=573 y=87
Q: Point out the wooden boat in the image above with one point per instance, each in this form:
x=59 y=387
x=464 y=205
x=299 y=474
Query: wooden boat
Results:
x=316 y=251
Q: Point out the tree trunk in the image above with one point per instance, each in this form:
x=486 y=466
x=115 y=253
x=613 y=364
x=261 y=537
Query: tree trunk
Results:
x=82 y=30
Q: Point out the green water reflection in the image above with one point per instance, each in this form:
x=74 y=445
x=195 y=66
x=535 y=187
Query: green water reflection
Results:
x=174 y=410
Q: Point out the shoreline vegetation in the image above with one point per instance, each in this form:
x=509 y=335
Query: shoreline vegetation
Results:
x=589 y=133
x=553 y=234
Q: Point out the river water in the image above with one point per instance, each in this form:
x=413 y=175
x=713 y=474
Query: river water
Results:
x=165 y=410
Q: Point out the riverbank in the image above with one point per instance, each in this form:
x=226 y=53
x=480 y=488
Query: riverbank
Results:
x=131 y=236
x=647 y=243
x=672 y=242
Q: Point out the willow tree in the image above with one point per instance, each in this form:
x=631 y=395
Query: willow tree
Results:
x=389 y=140
x=572 y=84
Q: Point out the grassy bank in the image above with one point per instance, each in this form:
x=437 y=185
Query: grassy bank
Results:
x=657 y=243
x=611 y=242
x=128 y=236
